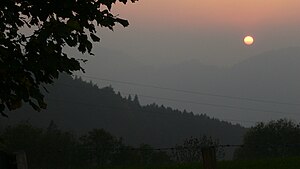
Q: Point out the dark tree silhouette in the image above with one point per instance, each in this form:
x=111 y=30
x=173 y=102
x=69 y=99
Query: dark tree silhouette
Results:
x=49 y=148
x=190 y=150
x=274 y=139
x=101 y=146
x=34 y=58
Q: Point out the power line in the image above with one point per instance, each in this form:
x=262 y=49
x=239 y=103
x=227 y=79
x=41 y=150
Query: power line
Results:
x=144 y=111
x=213 y=105
x=244 y=121
x=151 y=112
x=194 y=92
x=206 y=104
x=200 y=147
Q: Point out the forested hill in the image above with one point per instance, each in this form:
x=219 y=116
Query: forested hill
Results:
x=79 y=106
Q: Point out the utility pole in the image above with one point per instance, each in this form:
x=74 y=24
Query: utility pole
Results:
x=209 y=157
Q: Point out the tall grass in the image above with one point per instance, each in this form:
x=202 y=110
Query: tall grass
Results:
x=277 y=163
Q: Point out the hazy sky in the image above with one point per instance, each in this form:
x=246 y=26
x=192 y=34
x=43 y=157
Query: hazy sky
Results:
x=166 y=33
x=209 y=31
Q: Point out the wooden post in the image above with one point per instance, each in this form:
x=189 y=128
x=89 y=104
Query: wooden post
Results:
x=21 y=160
x=209 y=157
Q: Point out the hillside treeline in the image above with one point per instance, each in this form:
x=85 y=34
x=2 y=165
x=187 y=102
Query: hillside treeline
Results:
x=80 y=106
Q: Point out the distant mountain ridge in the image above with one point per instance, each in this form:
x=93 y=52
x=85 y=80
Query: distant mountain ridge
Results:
x=80 y=106
x=272 y=75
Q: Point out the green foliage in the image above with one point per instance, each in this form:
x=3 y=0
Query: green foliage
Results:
x=44 y=148
x=141 y=156
x=274 y=139
x=22 y=136
x=271 y=163
x=52 y=148
x=190 y=150
x=30 y=60
x=100 y=146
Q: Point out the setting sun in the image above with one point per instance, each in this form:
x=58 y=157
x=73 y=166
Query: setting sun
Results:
x=248 y=40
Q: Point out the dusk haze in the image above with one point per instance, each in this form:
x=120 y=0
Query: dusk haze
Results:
x=149 y=84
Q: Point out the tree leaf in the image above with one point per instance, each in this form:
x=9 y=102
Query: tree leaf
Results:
x=123 y=22
x=94 y=37
x=73 y=24
x=53 y=24
x=34 y=106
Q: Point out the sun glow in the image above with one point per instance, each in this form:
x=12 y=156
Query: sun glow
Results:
x=248 y=40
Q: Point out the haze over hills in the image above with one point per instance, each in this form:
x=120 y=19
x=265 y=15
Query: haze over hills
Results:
x=80 y=106
x=271 y=77
x=260 y=88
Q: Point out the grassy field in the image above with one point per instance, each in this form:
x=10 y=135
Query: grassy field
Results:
x=279 y=163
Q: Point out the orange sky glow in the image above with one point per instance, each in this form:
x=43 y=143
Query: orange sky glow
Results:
x=175 y=28
x=241 y=14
